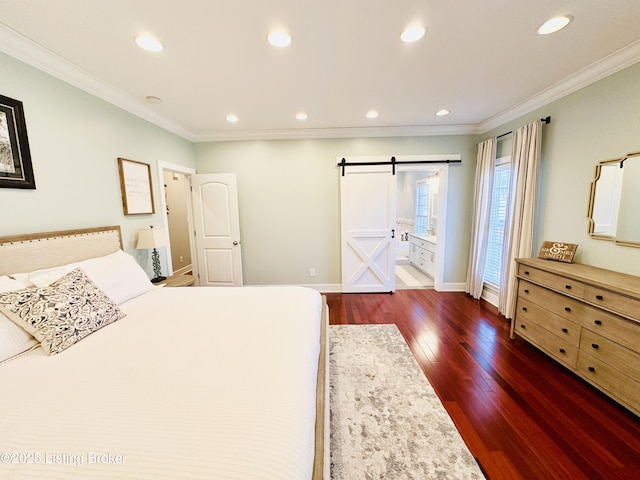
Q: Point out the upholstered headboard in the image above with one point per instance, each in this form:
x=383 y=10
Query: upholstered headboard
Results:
x=25 y=253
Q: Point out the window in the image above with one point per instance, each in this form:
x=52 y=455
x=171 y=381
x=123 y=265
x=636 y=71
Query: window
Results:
x=497 y=218
x=422 y=208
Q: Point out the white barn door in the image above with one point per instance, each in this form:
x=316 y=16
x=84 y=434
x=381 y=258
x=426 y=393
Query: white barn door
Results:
x=368 y=211
x=216 y=224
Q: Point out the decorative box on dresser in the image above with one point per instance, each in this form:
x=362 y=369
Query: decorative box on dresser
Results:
x=586 y=318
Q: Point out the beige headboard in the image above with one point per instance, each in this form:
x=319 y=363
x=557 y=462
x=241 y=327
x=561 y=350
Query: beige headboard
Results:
x=25 y=253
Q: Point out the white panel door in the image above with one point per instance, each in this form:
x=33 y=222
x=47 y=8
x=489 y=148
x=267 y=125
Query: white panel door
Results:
x=368 y=208
x=217 y=230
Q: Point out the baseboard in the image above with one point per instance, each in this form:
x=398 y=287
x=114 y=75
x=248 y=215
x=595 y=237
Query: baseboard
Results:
x=452 y=287
x=183 y=270
x=337 y=287
x=325 y=288
x=320 y=287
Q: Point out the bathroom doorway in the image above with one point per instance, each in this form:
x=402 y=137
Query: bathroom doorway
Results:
x=420 y=226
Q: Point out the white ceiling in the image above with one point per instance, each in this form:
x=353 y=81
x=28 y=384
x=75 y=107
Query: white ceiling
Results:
x=481 y=59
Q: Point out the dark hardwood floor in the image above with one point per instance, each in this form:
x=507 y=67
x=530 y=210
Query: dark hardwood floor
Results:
x=521 y=414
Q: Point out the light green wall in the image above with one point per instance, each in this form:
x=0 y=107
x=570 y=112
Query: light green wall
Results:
x=289 y=200
x=75 y=140
x=598 y=122
x=289 y=190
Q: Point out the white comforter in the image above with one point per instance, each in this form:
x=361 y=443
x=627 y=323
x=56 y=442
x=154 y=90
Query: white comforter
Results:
x=194 y=383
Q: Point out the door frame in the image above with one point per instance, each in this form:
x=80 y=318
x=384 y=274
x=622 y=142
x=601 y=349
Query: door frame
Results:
x=187 y=171
x=443 y=196
x=443 y=173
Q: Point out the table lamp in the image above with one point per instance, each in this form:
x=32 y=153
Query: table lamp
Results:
x=153 y=238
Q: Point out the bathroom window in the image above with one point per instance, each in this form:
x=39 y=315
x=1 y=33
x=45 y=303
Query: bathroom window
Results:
x=497 y=218
x=422 y=207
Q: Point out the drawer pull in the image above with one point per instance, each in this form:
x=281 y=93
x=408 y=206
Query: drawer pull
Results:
x=526 y=290
x=592 y=369
x=562 y=350
x=567 y=309
x=522 y=325
x=565 y=330
x=595 y=345
x=524 y=309
x=599 y=297
x=598 y=322
x=526 y=272
x=568 y=287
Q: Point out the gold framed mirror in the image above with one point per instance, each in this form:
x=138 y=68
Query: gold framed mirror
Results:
x=615 y=195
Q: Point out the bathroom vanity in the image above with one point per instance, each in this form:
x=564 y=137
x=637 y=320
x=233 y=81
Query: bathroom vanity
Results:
x=422 y=253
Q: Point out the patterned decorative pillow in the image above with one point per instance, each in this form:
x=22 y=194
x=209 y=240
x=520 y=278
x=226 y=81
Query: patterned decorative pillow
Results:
x=62 y=313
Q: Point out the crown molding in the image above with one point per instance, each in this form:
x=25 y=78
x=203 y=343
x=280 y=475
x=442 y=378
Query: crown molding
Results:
x=618 y=60
x=20 y=47
x=17 y=46
x=338 y=132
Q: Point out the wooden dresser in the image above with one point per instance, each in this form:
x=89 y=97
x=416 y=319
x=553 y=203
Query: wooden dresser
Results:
x=586 y=318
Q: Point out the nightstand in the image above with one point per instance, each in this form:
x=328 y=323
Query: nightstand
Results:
x=178 y=281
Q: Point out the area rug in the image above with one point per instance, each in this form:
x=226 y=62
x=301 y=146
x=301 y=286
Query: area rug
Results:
x=386 y=420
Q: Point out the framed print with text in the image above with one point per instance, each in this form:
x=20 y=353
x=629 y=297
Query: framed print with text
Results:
x=135 y=182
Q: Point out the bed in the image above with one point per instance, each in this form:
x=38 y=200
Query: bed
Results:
x=153 y=382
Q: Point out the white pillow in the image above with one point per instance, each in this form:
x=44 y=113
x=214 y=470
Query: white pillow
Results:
x=117 y=274
x=8 y=284
x=14 y=341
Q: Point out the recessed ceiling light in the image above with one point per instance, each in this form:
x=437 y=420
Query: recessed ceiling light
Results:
x=554 y=24
x=231 y=118
x=149 y=43
x=301 y=116
x=443 y=112
x=412 y=34
x=279 y=39
x=372 y=114
x=153 y=100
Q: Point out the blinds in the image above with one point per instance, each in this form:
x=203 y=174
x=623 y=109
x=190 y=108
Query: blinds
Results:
x=497 y=218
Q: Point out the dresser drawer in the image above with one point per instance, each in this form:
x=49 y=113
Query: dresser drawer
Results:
x=555 y=282
x=612 y=301
x=622 y=358
x=623 y=331
x=559 y=326
x=552 y=301
x=554 y=346
x=620 y=386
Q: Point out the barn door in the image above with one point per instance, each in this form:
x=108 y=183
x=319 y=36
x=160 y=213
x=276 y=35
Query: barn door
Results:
x=368 y=210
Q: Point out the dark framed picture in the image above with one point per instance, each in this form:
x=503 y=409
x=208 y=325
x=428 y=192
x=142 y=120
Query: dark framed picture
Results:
x=15 y=157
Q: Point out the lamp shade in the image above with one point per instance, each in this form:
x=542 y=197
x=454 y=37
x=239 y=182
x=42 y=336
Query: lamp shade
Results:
x=151 y=238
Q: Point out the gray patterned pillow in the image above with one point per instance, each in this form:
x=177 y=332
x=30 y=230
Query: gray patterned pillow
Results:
x=62 y=313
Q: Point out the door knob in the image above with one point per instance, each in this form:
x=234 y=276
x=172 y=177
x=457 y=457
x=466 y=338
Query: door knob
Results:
x=235 y=242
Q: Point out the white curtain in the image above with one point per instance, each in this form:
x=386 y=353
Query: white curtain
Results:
x=485 y=167
x=521 y=209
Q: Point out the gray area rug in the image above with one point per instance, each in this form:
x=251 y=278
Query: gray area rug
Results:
x=386 y=420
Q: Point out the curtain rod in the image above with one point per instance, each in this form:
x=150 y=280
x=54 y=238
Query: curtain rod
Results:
x=546 y=121
x=393 y=162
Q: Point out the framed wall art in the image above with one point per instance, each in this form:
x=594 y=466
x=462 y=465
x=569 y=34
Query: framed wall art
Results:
x=15 y=157
x=137 y=191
